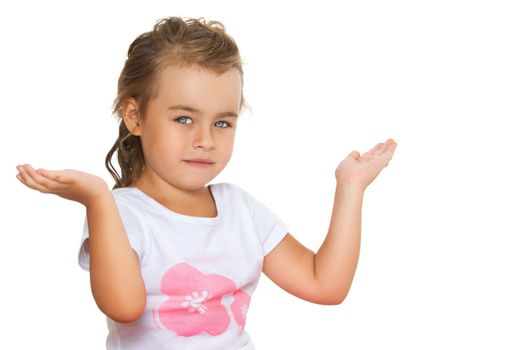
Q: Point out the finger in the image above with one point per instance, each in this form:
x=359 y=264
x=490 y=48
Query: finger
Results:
x=373 y=149
x=390 y=146
x=383 y=147
x=44 y=177
x=378 y=148
x=26 y=178
x=26 y=174
x=355 y=155
x=34 y=180
x=61 y=177
x=52 y=175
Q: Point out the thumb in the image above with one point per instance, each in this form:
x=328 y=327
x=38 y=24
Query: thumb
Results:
x=355 y=155
x=54 y=175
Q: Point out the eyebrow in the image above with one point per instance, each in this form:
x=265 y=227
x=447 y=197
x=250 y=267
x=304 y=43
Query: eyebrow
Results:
x=195 y=110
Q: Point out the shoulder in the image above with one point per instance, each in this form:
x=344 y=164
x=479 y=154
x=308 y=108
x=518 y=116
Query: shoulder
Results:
x=124 y=194
x=231 y=189
x=128 y=199
x=234 y=195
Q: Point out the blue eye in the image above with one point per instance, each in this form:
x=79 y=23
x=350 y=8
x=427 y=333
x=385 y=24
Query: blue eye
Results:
x=181 y=118
x=226 y=123
x=220 y=121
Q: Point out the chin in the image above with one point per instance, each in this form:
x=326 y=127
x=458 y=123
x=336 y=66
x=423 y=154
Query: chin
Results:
x=195 y=184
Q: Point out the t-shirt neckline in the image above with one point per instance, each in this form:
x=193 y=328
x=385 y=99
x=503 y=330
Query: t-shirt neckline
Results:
x=178 y=216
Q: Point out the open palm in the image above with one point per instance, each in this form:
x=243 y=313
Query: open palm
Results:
x=360 y=171
x=69 y=183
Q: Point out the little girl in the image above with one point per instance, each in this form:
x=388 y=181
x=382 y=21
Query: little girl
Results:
x=173 y=263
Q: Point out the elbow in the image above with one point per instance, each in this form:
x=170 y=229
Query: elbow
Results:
x=327 y=301
x=334 y=301
x=332 y=293
x=332 y=298
x=125 y=318
x=122 y=305
x=125 y=311
x=339 y=301
x=126 y=314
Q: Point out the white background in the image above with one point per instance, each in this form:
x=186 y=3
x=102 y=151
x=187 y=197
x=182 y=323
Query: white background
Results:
x=442 y=262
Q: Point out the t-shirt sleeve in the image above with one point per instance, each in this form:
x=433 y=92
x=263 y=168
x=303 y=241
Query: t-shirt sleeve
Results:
x=135 y=229
x=270 y=228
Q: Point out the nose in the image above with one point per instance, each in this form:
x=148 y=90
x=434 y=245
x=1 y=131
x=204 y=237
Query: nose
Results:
x=203 y=138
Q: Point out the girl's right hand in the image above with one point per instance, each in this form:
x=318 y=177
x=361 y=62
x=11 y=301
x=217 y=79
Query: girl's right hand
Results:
x=70 y=184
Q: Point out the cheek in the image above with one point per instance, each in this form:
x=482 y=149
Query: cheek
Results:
x=227 y=148
x=225 y=140
x=163 y=145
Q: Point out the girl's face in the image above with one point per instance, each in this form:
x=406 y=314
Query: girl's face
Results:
x=193 y=116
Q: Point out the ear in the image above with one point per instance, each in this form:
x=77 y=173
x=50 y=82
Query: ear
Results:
x=130 y=116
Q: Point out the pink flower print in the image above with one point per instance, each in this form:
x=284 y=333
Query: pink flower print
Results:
x=195 y=301
x=240 y=307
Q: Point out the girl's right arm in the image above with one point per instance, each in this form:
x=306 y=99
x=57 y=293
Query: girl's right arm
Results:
x=116 y=279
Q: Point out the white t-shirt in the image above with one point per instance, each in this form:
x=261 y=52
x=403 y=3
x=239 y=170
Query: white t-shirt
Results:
x=199 y=272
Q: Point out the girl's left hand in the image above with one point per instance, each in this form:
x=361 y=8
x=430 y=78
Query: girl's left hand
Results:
x=359 y=171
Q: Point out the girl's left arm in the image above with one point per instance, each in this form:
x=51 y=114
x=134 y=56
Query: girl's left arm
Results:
x=325 y=277
x=336 y=260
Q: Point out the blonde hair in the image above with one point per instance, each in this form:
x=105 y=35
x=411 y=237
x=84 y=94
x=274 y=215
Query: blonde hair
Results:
x=173 y=41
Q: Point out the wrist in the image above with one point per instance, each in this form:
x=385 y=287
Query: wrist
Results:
x=350 y=187
x=98 y=198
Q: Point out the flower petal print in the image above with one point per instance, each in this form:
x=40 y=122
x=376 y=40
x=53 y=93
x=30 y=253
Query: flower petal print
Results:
x=195 y=301
x=240 y=307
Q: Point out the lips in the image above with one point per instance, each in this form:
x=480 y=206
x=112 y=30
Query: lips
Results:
x=199 y=160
